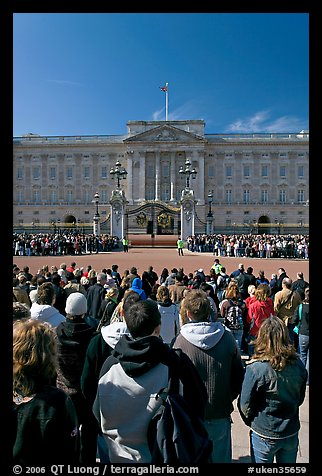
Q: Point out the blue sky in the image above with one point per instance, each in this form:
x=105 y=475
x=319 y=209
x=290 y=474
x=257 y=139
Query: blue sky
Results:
x=90 y=73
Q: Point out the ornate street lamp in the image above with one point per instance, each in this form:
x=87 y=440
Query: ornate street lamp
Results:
x=96 y=199
x=119 y=172
x=96 y=217
x=210 y=198
x=188 y=172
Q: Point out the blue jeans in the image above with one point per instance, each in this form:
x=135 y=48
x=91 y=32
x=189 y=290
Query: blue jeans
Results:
x=219 y=431
x=237 y=336
x=264 y=450
x=304 y=351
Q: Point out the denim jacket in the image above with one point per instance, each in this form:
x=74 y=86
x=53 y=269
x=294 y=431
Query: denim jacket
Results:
x=269 y=400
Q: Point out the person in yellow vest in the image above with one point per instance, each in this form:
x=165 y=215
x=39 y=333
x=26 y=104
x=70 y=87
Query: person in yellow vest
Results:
x=180 y=245
x=125 y=243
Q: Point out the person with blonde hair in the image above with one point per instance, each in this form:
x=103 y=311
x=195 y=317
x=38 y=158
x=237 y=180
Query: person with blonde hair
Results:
x=45 y=421
x=272 y=391
x=232 y=310
x=107 y=307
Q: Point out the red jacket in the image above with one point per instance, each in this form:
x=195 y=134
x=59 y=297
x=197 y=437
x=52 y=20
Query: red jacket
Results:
x=259 y=311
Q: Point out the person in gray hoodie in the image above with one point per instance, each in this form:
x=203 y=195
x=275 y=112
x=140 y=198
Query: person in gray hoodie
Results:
x=43 y=309
x=214 y=352
x=100 y=347
x=131 y=379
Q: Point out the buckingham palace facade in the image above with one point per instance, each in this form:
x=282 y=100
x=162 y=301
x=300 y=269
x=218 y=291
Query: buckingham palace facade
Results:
x=246 y=182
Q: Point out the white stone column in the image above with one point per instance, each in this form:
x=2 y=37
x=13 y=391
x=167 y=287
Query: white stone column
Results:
x=200 y=188
x=157 y=176
x=142 y=177
x=130 y=178
x=173 y=177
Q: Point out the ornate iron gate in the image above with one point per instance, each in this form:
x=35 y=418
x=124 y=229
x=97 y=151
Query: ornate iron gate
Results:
x=153 y=218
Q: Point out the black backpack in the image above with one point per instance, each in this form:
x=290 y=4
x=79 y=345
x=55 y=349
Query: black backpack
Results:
x=234 y=316
x=224 y=282
x=176 y=434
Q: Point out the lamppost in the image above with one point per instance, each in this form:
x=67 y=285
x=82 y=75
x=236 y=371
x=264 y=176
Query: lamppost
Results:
x=210 y=198
x=188 y=172
x=278 y=225
x=96 y=218
x=209 y=215
x=119 y=172
x=234 y=225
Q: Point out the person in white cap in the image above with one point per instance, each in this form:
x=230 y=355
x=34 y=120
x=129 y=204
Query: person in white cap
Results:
x=74 y=336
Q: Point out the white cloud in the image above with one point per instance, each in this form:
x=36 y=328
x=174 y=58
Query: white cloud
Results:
x=260 y=122
x=185 y=112
x=64 y=81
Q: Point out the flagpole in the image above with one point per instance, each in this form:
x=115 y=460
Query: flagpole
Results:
x=166 y=102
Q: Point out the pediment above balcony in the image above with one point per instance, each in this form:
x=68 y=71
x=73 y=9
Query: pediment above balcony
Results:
x=165 y=133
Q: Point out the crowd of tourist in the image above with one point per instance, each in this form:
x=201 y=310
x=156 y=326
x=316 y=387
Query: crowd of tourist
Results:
x=92 y=349
x=243 y=245
x=251 y=245
x=61 y=244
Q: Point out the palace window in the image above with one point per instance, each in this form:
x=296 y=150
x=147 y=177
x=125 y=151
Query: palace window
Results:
x=36 y=173
x=300 y=196
x=282 y=196
x=246 y=171
x=211 y=171
x=282 y=171
x=69 y=196
x=228 y=194
x=264 y=196
x=264 y=171
x=69 y=172
x=52 y=173
x=300 y=171
x=246 y=196
x=104 y=172
x=86 y=172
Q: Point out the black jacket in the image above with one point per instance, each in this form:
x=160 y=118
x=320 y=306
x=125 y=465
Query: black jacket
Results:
x=95 y=296
x=304 y=327
x=45 y=429
x=300 y=285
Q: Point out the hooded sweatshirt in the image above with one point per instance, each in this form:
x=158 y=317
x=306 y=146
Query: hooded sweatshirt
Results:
x=137 y=287
x=126 y=398
x=99 y=348
x=47 y=313
x=169 y=320
x=213 y=350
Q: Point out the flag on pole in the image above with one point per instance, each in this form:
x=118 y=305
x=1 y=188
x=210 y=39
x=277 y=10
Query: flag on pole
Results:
x=165 y=90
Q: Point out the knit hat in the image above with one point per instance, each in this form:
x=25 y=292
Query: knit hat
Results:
x=76 y=304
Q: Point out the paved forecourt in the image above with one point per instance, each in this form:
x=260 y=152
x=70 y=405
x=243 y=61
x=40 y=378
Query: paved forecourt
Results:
x=161 y=258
